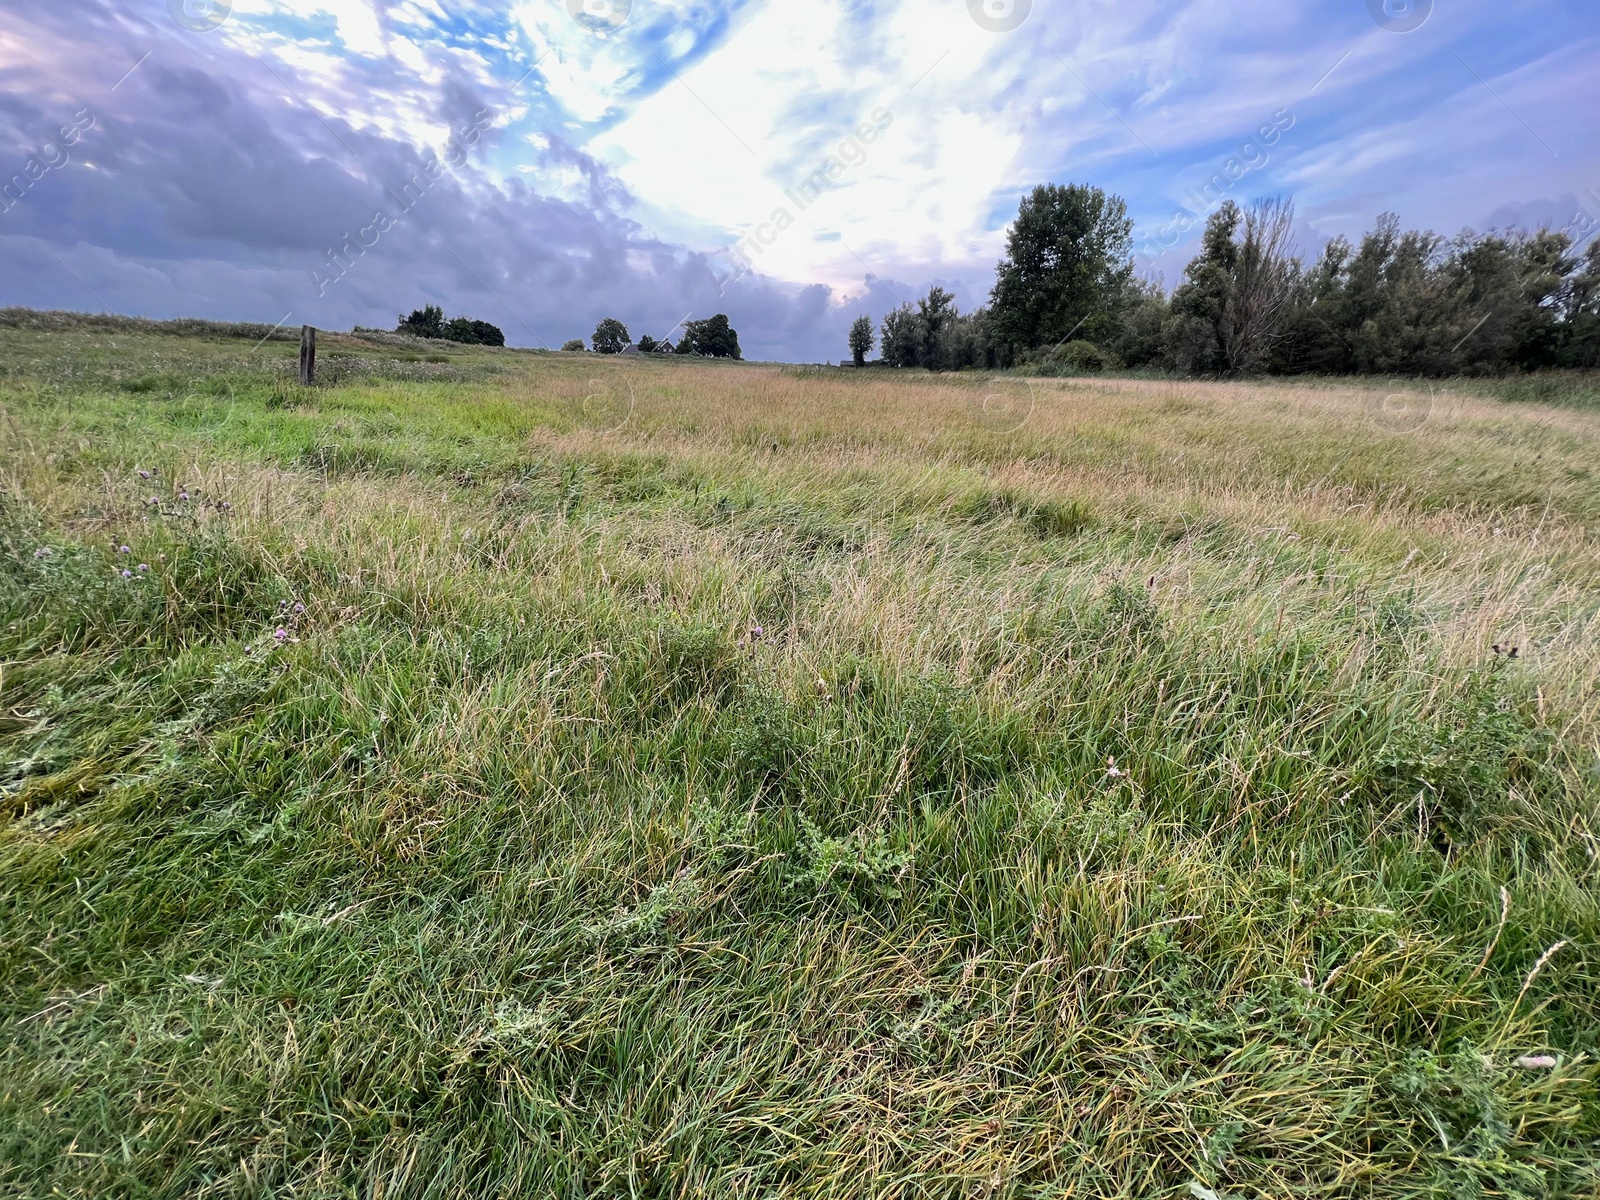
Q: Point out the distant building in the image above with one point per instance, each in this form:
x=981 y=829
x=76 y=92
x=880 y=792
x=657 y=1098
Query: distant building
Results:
x=630 y=348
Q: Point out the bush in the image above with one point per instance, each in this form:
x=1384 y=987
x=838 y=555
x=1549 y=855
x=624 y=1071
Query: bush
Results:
x=429 y=322
x=1085 y=356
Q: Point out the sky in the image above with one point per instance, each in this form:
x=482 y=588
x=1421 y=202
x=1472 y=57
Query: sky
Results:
x=542 y=164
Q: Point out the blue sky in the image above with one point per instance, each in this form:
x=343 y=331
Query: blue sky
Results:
x=649 y=160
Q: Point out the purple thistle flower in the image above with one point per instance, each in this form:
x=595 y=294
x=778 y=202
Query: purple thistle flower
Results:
x=143 y=474
x=43 y=552
x=124 y=550
x=299 y=608
x=144 y=566
x=127 y=574
x=281 y=633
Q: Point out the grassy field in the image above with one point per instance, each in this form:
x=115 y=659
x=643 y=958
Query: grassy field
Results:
x=545 y=775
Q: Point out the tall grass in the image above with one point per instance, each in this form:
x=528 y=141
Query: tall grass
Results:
x=586 y=778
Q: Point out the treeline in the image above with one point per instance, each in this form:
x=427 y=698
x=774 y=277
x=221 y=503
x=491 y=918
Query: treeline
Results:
x=429 y=321
x=711 y=337
x=1400 y=301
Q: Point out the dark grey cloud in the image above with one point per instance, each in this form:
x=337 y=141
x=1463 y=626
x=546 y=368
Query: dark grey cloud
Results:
x=208 y=186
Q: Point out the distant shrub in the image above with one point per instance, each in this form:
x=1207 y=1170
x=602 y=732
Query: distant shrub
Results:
x=1076 y=357
x=56 y=321
x=429 y=322
x=572 y=344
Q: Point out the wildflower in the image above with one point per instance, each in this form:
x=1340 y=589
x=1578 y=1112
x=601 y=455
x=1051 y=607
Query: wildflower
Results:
x=127 y=574
x=299 y=608
x=153 y=501
x=281 y=634
x=282 y=604
x=43 y=552
x=1113 y=771
x=124 y=550
x=144 y=566
x=755 y=633
x=143 y=474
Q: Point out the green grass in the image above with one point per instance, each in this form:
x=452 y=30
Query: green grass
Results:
x=682 y=779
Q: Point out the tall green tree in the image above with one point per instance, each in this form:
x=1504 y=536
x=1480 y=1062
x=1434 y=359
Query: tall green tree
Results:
x=1194 y=335
x=901 y=342
x=1581 y=318
x=1238 y=295
x=610 y=336
x=934 y=312
x=427 y=321
x=1067 y=267
x=964 y=342
x=860 y=339
x=712 y=337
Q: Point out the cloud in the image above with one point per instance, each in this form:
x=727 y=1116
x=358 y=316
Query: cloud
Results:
x=231 y=168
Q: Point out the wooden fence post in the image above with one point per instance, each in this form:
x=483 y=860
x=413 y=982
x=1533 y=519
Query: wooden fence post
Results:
x=308 y=355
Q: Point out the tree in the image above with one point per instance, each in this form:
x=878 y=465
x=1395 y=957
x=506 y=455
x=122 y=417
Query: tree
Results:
x=1546 y=271
x=712 y=338
x=610 y=336
x=1200 y=305
x=901 y=338
x=1581 y=333
x=473 y=333
x=1263 y=287
x=572 y=344
x=647 y=344
x=427 y=321
x=1138 y=340
x=933 y=311
x=1067 y=267
x=964 y=342
x=860 y=339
